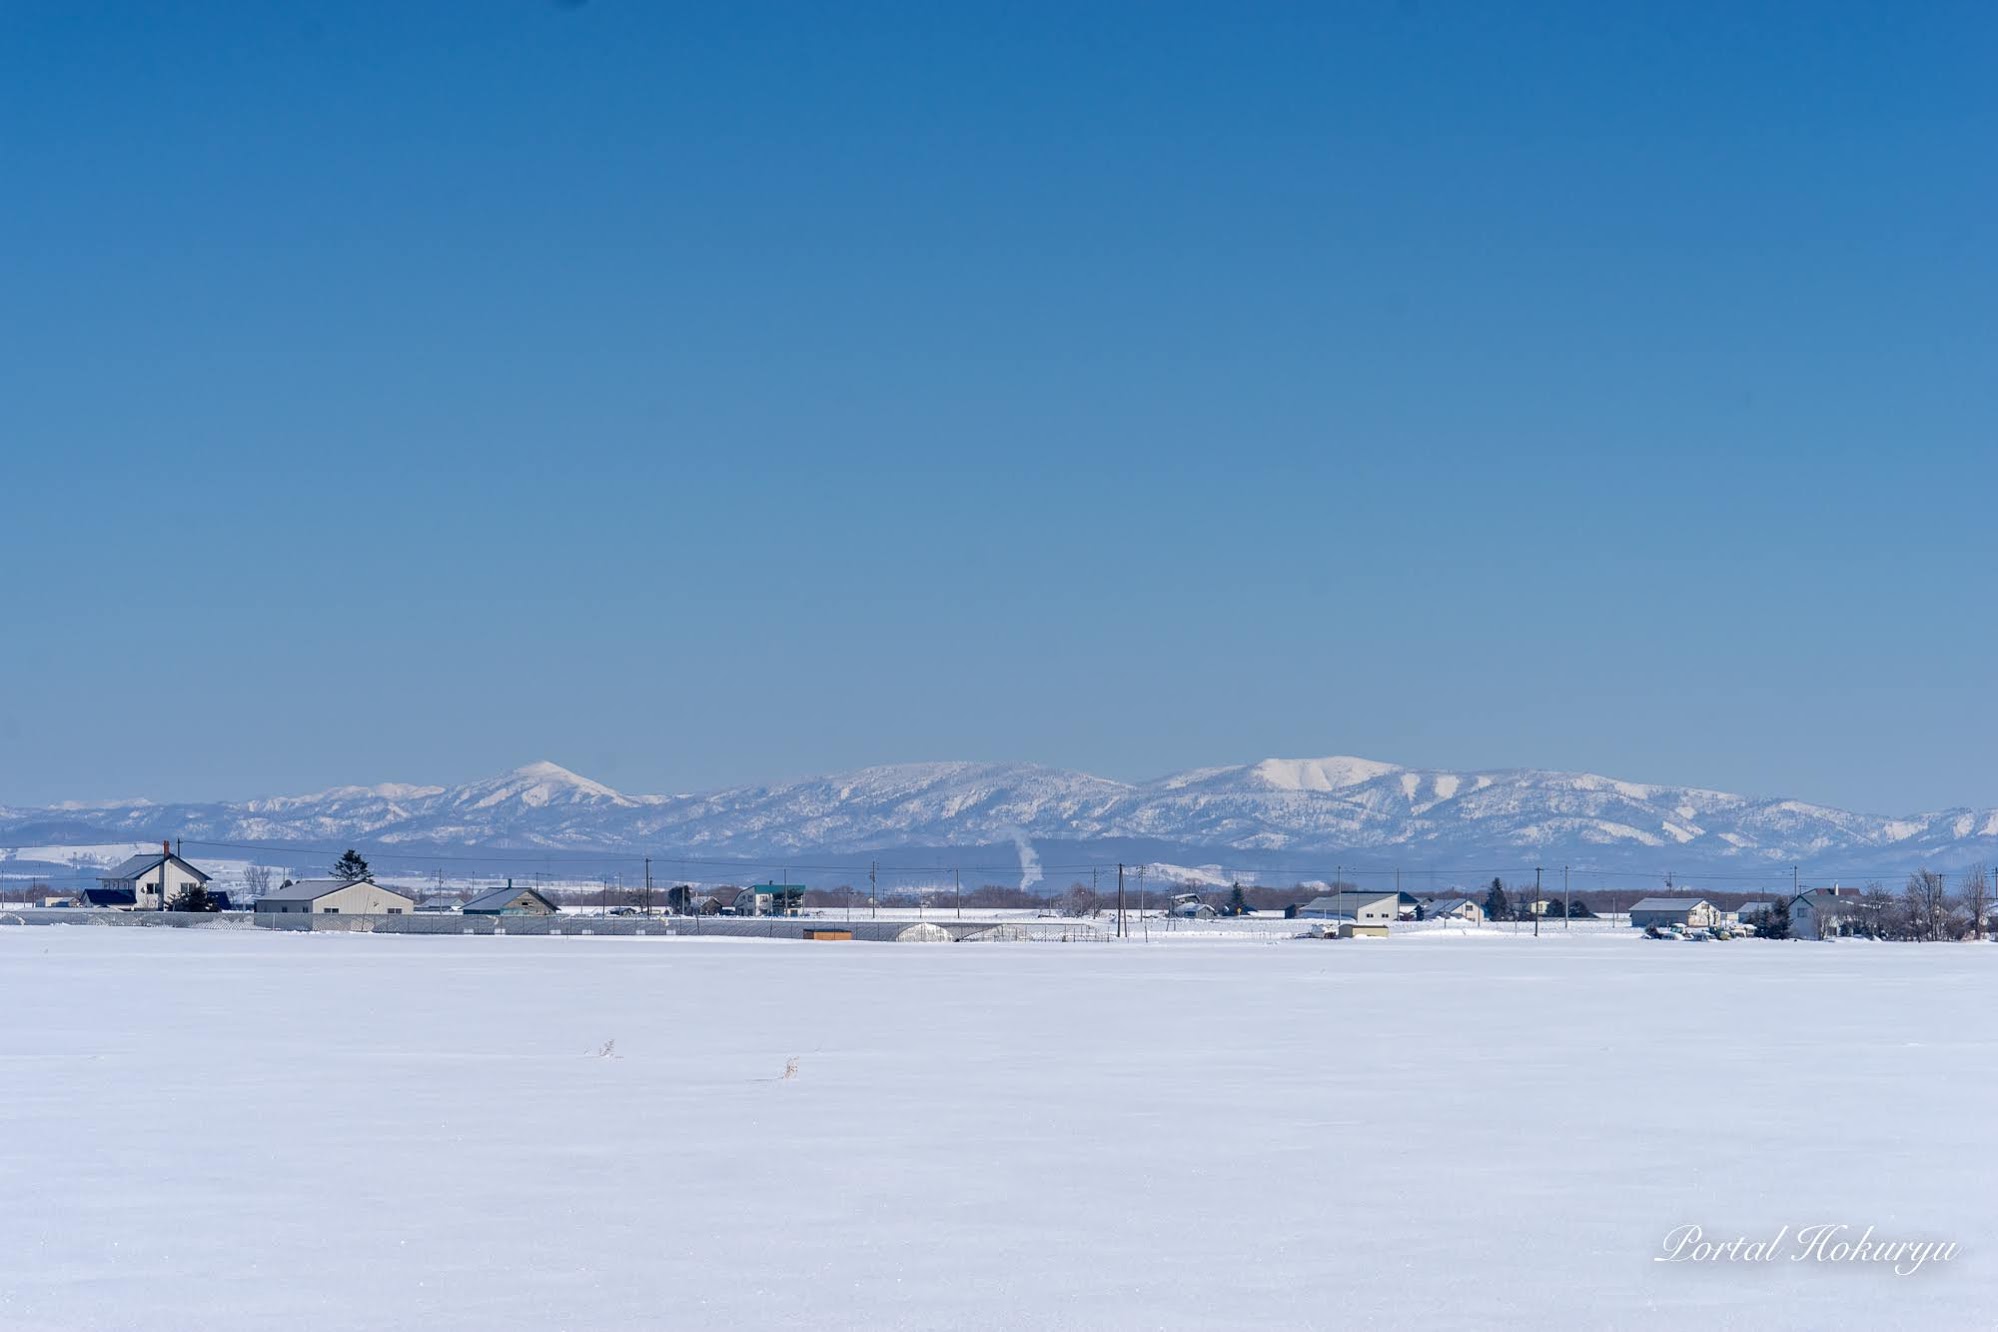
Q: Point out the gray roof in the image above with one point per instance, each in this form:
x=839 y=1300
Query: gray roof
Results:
x=494 y=898
x=311 y=890
x=1350 y=901
x=1668 y=903
x=146 y=863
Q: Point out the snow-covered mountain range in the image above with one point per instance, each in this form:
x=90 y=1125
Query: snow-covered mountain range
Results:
x=1278 y=812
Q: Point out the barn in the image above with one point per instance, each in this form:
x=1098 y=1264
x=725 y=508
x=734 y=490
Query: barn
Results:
x=335 y=897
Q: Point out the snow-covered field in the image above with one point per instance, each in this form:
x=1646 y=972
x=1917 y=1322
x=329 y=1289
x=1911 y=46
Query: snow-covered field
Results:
x=246 y=1129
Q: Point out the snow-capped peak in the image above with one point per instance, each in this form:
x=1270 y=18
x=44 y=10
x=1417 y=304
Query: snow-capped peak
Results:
x=1320 y=774
x=543 y=771
x=1291 y=812
x=535 y=784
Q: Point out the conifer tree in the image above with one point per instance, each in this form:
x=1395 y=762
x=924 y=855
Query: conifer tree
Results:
x=193 y=897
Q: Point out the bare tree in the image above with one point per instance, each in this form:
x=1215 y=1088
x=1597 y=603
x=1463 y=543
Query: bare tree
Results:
x=1881 y=911
x=1927 y=898
x=1975 y=895
x=256 y=881
x=1080 y=902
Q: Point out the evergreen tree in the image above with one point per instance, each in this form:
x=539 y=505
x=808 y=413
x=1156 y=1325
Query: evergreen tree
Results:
x=1496 y=905
x=194 y=897
x=1774 y=923
x=350 y=868
x=1238 y=902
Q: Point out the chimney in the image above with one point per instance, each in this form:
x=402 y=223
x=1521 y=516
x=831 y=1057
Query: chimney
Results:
x=165 y=850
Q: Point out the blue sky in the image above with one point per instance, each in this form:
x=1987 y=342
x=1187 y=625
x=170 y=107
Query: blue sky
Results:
x=696 y=395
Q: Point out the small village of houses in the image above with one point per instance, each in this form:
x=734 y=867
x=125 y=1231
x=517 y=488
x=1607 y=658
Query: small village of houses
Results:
x=162 y=881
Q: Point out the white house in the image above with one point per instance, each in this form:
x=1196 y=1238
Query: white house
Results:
x=153 y=879
x=1694 y=913
x=1821 y=913
x=770 y=899
x=336 y=897
x=1460 y=910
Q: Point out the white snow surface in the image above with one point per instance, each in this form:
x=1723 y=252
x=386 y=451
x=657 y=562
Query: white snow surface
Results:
x=236 y=1129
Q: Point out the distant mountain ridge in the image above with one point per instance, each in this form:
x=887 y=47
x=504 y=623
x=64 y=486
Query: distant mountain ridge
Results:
x=1276 y=811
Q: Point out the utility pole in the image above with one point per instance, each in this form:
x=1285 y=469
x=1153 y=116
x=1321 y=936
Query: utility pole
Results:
x=957 y=891
x=1538 y=903
x=1120 y=899
x=873 y=901
x=1567 y=902
x=648 y=885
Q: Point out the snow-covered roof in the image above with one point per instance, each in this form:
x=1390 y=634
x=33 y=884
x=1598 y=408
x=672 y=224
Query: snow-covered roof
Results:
x=1668 y=903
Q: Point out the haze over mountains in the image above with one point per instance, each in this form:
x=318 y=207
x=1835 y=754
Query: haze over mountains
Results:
x=1275 y=813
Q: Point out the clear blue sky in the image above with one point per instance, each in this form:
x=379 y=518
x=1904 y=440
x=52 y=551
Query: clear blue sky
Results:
x=695 y=395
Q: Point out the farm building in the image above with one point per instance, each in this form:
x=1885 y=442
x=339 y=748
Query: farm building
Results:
x=1359 y=907
x=1693 y=913
x=154 y=879
x=107 y=899
x=510 y=901
x=770 y=899
x=442 y=905
x=336 y=897
x=1461 y=910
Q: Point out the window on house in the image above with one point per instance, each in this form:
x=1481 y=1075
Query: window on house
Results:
x=330 y=911
x=395 y=911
